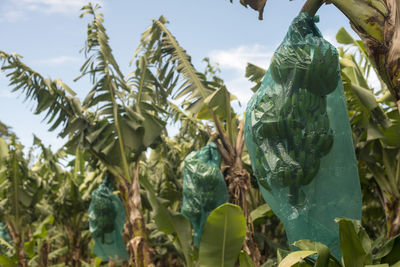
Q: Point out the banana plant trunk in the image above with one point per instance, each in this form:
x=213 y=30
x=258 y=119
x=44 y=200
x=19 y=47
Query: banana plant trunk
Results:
x=44 y=254
x=135 y=234
x=392 y=211
x=22 y=261
x=74 y=246
x=377 y=22
x=19 y=245
x=238 y=182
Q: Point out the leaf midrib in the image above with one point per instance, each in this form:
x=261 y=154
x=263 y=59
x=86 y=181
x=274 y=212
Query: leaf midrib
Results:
x=185 y=62
x=224 y=240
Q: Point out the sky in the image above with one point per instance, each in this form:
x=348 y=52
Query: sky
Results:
x=49 y=35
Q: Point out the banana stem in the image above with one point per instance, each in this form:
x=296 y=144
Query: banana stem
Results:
x=311 y=6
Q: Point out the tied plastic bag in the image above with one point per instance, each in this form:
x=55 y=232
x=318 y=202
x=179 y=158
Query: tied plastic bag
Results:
x=204 y=187
x=106 y=223
x=299 y=139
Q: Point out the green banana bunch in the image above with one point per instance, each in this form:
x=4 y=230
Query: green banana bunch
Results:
x=289 y=120
x=102 y=212
x=320 y=70
x=305 y=60
x=292 y=133
x=204 y=187
x=307 y=66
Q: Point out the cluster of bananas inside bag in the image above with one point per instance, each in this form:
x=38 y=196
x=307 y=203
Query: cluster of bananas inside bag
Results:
x=290 y=124
x=299 y=139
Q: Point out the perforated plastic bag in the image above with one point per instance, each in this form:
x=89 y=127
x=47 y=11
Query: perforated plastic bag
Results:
x=204 y=187
x=4 y=234
x=106 y=223
x=299 y=139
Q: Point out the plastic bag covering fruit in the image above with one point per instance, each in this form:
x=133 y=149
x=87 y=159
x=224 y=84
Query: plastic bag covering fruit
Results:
x=4 y=233
x=204 y=187
x=5 y=236
x=106 y=223
x=299 y=139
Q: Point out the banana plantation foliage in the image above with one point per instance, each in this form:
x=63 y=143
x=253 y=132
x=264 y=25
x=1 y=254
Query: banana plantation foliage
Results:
x=122 y=192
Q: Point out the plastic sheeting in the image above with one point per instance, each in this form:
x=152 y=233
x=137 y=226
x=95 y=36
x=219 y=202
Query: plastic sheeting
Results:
x=204 y=187
x=299 y=138
x=4 y=234
x=106 y=223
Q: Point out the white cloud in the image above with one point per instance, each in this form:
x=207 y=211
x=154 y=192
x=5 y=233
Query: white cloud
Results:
x=240 y=87
x=12 y=15
x=17 y=10
x=236 y=59
x=58 y=60
x=51 y=6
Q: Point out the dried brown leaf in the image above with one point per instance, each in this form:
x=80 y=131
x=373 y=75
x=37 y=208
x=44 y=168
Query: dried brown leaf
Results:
x=257 y=5
x=392 y=38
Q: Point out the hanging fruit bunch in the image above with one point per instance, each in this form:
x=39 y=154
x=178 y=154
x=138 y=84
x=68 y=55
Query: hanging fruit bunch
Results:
x=289 y=120
x=204 y=187
x=106 y=223
x=298 y=136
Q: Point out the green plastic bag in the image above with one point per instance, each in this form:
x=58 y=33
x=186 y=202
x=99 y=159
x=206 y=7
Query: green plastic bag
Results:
x=5 y=235
x=299 y=139
x=106 y=223
x=4 y=232
x=204 y=187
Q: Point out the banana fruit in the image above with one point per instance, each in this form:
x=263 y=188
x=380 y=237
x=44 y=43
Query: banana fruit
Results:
x=287 y=118
x=293 y=138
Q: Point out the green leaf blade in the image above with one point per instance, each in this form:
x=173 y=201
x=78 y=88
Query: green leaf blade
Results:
x=223 y=236
x=295 y=257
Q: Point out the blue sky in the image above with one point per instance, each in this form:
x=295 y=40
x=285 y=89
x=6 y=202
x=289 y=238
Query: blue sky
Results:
x=49 y=35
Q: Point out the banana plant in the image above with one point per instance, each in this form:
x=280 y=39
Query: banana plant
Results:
x=117 y=121
x=165 y=164
x=37 y=247
x=377 y=22
x=19 y=194
x=375 y=123
x=63 y=210
x=205 y=96
x=357 y=248
x=68 y=195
